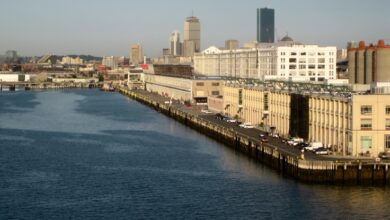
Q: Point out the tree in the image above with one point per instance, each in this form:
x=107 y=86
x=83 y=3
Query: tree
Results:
x=101 y=78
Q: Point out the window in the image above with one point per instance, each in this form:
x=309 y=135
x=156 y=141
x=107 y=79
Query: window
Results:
x=321 y=66
x=293 y=67
x=366 y=110
x=387 y=125
x=265 y=102
x=387 y=141
x=215 y=84
x=293 y=60
x=199 y=84
x=321 y=60
x=303 y=54
x=366 y=124
x=240 y=97
x=388 y=110
x=282 y=66
x=302 y=66
x=312 y=66
x=365 y=143
x=293 y=53
x=215 y=93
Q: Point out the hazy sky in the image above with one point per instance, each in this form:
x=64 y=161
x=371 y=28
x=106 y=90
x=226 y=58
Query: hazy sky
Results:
x=109 y=27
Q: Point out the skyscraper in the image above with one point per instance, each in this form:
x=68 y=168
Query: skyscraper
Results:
x=191 y=36
x=136 y=54
x=265 y=25
x=175 y=44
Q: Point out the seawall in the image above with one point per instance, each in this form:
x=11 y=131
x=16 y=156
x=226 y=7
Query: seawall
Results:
x=327 y=171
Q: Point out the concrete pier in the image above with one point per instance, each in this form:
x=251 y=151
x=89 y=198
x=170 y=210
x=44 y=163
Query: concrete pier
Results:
x=319 y=171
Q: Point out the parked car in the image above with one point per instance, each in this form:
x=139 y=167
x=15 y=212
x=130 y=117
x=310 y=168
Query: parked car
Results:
x=322 y=151
x=295 y=141
x=238 y=123
x=302 y=145
x=231 y=120
x=384 y=155
x=264 y=139
x=314 y=146
x=205 y=111
x=261 y=135
x=247 y=125
x=219 y=116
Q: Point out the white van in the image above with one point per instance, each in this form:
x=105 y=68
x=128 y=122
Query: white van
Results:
x=314 y=146
x=295 y=141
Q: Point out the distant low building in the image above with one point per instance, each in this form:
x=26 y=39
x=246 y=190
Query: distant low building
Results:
x=194 y=90
x=72 y=61
x=231 y=44
x=182 y=71
x=14 y=77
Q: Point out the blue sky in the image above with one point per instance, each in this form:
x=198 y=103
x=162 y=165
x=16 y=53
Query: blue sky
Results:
x=109 y=27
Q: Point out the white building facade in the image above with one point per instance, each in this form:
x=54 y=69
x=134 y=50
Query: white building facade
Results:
x=175 y=44
x=287 y=62
x=304 y=63
x=240 y=63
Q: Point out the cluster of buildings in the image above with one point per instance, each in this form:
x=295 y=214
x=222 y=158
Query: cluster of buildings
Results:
x=282 y=86
x=182 y=51
x=287 y=87
x=72 y=60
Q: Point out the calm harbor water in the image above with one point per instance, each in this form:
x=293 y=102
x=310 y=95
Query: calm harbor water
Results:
x=81 y=154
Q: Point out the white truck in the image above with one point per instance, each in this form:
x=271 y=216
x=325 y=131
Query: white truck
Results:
x=314 y=146
x=295 y=141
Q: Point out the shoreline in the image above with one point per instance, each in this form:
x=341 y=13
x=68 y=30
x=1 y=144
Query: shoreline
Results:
x=308 y=170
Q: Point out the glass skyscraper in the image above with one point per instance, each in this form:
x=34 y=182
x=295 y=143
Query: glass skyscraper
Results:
x=265 y=25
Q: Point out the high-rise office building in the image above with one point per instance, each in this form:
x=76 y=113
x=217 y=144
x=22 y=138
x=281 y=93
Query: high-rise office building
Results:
x=175 y=44
x=111 y=62
x=191 y=36
x=136 y=54
x=265 y=25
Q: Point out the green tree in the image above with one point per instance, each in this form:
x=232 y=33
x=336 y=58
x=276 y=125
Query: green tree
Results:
x=101 y=78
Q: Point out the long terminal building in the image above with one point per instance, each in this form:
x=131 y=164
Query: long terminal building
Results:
x=351 y=124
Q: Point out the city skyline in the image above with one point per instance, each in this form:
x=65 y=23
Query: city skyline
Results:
x=109 y=28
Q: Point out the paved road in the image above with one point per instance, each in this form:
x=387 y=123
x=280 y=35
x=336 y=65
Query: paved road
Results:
x=255 y=135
